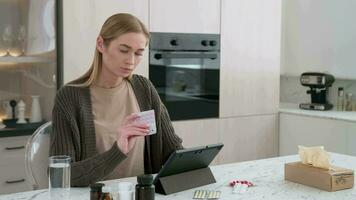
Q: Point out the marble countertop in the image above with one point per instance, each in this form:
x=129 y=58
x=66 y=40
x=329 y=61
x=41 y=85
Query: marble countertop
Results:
x=330 y=114
x=266 y=174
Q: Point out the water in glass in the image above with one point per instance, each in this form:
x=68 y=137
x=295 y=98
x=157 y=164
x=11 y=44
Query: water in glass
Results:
x=59 y=178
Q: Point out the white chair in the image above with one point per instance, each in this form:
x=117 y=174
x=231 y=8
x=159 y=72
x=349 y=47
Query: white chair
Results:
x=36 y=158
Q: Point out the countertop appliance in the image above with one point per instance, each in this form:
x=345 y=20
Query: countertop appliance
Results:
x=184 y=67
x=319 y=84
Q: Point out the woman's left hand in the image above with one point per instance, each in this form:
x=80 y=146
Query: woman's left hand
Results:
x=129 y=131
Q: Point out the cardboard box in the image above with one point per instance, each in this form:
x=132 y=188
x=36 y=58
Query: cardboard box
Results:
x=329 y=180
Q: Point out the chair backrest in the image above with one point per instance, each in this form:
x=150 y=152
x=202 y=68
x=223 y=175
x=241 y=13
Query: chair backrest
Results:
x=36 y=158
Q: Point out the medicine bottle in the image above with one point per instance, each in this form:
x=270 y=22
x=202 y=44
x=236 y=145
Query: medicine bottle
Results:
x=340 y=99
x=348 y=102
x=106 y=196
x=105 y=193
x=96 y=191
x=145 y=190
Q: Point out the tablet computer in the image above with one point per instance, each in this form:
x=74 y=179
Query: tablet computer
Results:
x=189 y=159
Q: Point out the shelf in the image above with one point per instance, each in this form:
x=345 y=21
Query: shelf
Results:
x=346 y=77
x=25 y=59
x=20 y=129
x=291 y=108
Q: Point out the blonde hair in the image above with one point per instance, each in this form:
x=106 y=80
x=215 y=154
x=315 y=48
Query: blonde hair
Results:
x=113 y=27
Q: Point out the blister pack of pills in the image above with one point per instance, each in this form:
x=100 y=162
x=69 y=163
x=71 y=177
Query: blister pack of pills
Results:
x=149 y=118
x=240 y=186
x=206 y=194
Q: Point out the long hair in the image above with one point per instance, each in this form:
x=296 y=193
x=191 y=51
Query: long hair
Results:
x=113 y=27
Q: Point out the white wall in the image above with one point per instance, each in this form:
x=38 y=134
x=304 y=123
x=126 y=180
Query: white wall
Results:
x=319 y=35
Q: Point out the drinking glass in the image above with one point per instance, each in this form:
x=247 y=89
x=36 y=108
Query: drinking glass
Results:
x=59 y=177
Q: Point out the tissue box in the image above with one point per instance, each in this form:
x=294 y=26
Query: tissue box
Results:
x=323 y=179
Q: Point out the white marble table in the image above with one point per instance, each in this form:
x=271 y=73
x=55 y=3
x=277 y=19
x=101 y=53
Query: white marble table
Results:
x=267 y=174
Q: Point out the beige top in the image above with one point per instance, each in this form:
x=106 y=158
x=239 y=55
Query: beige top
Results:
x=110 y=107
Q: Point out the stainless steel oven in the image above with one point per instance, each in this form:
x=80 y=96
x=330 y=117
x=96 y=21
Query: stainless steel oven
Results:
x=185 y=71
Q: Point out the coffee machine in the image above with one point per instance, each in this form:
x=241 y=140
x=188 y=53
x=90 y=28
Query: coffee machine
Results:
x=319 y=84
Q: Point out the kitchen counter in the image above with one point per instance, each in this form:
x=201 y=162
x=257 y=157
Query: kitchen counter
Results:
x=330 y=114
x=266 y=174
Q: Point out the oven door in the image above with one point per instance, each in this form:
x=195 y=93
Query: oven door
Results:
x=187 y=82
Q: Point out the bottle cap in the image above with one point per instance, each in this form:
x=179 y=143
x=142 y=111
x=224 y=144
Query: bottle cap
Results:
x=340 y=91
x=96 y=187
x=145 y=179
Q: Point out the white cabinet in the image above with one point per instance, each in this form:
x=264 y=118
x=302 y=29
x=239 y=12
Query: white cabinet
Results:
x=185 y=16
x=82 y=20
x=12 y=166
x=244 y=138
x=335 y=135
x=198 y=133
x=248 y=138
x=250 y=57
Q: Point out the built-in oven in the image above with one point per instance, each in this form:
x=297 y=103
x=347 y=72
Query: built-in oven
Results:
x=185 y=71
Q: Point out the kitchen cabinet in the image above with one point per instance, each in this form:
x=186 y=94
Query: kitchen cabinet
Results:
x=82 y=21
x=250 y=57
x=248 y=138
x=198 y=133
x=244 y=138
x=335 y=135
x=12 y=167
x=26 y=76
x=185 y=16
x=29 y=58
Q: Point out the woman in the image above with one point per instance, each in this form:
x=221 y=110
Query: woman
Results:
x=94 y=118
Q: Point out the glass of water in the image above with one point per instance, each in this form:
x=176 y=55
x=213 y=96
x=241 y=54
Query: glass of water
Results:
x=59 y=177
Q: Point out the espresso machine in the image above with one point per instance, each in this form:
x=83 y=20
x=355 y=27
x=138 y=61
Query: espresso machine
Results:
x=319 y=84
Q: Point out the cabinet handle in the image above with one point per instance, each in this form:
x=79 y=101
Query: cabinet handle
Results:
x=16 y=181
x=159 y=56
x=13 y=148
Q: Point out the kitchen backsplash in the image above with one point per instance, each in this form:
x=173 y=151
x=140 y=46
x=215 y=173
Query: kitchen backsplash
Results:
x=291 y=91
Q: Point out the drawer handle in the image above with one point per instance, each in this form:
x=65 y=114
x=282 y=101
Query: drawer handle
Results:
x=16 y=181
x=13 y=148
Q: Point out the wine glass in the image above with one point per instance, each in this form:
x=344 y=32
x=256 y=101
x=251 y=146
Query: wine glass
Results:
x=3 y=50
x=21 y=37
x=6 y=40
x=18 y=47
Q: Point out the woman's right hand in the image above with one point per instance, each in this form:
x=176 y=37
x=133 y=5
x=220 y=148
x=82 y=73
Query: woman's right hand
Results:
x=127 y=133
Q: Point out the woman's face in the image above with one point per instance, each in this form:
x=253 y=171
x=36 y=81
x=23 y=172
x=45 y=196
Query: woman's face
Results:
x=123 y=54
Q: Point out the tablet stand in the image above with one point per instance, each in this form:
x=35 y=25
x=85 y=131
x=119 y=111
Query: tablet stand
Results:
x=184 y=181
